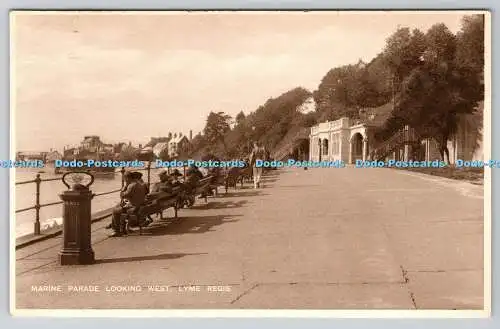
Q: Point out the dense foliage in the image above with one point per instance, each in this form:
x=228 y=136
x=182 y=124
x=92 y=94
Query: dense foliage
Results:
x=431 y=77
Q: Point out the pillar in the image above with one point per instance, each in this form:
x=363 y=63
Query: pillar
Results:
x=350 y=152
x=365 y=149
x=77 y=246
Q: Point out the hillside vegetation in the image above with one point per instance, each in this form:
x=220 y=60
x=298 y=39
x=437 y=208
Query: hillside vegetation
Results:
x=431 y=77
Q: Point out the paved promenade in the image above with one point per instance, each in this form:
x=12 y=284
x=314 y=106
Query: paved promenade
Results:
x=316 y=239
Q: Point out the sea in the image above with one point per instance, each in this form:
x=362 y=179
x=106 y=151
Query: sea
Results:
x=51 y=216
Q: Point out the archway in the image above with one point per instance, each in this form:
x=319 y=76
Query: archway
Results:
x=301 y=149
x=325 y=147
x=320 y=151
x=356 y=147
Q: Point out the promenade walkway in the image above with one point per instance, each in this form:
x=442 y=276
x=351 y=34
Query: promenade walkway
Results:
x=317 y=239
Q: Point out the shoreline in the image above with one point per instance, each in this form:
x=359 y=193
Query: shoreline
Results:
x=31 y=238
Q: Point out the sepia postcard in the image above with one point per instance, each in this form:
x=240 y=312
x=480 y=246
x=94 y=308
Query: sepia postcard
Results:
x=263 y=163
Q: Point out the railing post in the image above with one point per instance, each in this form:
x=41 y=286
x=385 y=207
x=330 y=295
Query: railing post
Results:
x=149 y=175
x=37 y=205
x=122 y=171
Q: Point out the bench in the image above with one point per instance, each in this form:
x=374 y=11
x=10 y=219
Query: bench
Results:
x=157 y=205
x=203 y=186
x=216 y=182
x=237 y=175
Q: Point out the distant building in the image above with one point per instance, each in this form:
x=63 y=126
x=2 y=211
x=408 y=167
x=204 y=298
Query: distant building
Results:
x=71 y=152
x=108 y=148
x=160 y=148
x=178 y=145
x=350 y=140
x=92 y=143
x=28 y=156
x=53 y=155
x=467 y=142
x=156 y=140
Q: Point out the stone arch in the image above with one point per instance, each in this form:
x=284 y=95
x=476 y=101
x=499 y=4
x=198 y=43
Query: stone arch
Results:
x=356 y=147
x=325 y=146
x=320 y=151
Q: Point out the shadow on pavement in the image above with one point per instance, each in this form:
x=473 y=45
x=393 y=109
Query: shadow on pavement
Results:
x=142 y=258
x=183 y=225
x=301 y=186
x=240 y=193
x=220 y=205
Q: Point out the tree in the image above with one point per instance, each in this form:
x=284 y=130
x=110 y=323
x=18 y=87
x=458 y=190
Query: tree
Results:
x=216 y=127
x=403 y=52
x=435 y=94
x=470 y=45
x=128 y=153
x=164 y=156
x=240 y=117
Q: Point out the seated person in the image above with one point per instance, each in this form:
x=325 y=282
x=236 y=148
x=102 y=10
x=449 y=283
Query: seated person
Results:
x=175 y=178
x=162 y=187
x=193 y=176
x=133 y=196
x=138 y=175
x=194 y=172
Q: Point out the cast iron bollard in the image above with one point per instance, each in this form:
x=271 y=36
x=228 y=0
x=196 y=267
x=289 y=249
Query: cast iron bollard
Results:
x=77 y=246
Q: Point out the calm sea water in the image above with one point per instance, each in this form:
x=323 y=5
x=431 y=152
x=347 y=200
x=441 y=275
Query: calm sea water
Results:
x=25 y=196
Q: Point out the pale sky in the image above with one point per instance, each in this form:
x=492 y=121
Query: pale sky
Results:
x=130 y=77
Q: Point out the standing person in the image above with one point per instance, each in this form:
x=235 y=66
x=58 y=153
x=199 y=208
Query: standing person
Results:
x=258 y=153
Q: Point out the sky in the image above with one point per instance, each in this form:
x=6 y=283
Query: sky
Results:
x=129 y=77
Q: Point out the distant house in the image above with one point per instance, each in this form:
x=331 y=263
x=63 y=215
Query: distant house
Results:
x=160 y=148
x=70 y=152
x=28 y=156
x=53 y=155
x=92 y=143
x=156 y=140
x=177 y=145
x=108 y=148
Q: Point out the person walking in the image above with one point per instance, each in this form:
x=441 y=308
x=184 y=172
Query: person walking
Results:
x=258 y=153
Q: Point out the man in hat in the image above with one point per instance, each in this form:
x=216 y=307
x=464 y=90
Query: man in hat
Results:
x=193 y=176
x=164 y=185
x=175 y=177
x=133 y=196
x=138 y=176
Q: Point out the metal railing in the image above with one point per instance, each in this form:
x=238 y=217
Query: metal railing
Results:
x=402 y=137
x=38 y=181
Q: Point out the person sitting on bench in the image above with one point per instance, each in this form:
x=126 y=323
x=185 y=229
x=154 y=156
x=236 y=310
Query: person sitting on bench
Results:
x=138 y=175
x=164 y=185
x=193 y=176
x=174 y=176
x=133 y=196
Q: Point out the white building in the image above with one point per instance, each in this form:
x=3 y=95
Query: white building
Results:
x=177 y=145
x=159 y=148
x=350 y=140
x=344 y=139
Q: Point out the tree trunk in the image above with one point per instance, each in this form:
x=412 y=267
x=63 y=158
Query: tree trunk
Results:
x=447 y=152
x=443 y=150
x=224 y=144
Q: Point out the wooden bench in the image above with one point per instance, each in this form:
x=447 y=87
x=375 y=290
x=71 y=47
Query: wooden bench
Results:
x=203 y=186
x=237 y=175
x=216 y=182
x=158 y=205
